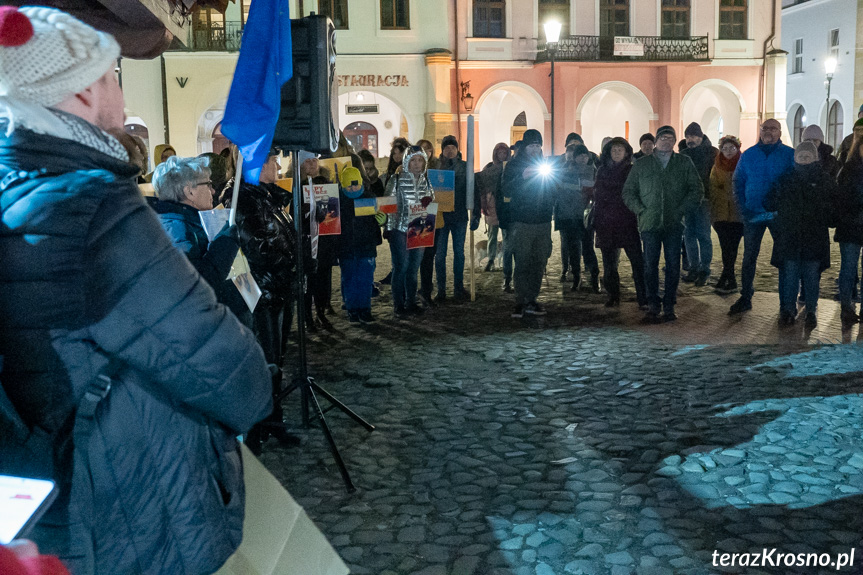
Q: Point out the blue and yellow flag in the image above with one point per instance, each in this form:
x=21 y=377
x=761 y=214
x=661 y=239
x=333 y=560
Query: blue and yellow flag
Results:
x=365 y=206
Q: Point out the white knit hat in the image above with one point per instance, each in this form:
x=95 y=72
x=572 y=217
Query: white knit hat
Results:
x=813 y=132
x=60 y=56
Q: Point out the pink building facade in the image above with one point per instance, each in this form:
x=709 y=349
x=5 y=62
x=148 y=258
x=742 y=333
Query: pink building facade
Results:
x=700 y=62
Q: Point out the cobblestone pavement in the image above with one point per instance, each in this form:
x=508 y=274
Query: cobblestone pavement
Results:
x=584 y=442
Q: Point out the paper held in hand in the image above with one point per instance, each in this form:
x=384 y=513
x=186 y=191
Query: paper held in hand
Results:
x=213 y=222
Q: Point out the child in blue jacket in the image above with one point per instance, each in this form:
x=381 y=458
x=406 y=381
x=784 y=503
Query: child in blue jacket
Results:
x=358 y=242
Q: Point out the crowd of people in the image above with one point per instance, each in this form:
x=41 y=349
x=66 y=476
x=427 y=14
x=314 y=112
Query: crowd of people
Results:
x=664 y=199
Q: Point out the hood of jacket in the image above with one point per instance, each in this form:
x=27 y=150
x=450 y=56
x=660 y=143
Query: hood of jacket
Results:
x=160 y=149
x=408 y=155
x=498 y=146
x=39 y=154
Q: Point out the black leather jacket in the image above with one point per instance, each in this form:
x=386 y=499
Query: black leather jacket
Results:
x=267 y=238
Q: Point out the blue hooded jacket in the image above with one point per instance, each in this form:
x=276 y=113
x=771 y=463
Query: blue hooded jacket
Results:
x=758 y=169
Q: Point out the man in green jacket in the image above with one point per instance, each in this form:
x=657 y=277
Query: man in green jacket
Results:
x=659 y=190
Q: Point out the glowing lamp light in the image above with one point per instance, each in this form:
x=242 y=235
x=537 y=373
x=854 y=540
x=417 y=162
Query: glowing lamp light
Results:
x=545 y=169
x=830 y=65
x=552 y=31
x=360 y=97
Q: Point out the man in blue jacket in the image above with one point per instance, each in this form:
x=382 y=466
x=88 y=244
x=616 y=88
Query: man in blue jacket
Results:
x=91 y=289
x=757 y=171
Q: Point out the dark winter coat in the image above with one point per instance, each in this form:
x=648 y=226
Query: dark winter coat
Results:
x=659 y=196
x=616 y=226
x=573 y=184
x=267 y=238
x=88 y=274
x=703 y=156
x=361 y=235
x=803 y=200
x=828 y=160
x=849 y=203
x=531 y=199
x=212 y=259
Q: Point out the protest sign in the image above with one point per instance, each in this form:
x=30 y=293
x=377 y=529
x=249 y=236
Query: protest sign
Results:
x=326 y=198
x=422 y=225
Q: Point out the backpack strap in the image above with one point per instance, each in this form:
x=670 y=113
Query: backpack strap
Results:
x=85 y=422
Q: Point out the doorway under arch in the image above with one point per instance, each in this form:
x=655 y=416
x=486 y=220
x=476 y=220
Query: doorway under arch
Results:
x=504 y=112
x=705 y=100
x=614 y=109
x=362 y=135
x=378 y=115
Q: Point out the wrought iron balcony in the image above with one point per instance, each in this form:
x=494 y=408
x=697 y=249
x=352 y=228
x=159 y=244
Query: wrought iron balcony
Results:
x=218 y=37
x=602 y=49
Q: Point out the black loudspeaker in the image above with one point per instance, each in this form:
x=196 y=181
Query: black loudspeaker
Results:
x=310 y=99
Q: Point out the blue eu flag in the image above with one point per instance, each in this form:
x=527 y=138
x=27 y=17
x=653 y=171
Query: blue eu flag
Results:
x=264 y=64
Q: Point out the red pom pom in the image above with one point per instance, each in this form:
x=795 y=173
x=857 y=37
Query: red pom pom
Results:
x=15 y=27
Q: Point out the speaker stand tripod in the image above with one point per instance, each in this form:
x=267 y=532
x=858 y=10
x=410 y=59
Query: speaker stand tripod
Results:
x=307 y=386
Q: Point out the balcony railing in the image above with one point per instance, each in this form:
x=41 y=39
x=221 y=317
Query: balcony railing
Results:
x=602 y=48
x=221 y=37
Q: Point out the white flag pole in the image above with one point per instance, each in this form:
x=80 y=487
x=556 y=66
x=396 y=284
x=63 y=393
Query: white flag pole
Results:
x=470 y=192
x=238 y=173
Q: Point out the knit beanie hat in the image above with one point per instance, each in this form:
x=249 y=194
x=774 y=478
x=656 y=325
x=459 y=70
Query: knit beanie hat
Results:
x=531 y=137
x=351 y=177
x=813 y=132
x=647 y=136
x=577 y=149
x=574 y=136
x=806 y=147
x=666 y=130
x=448 y=141
x=693 y=129
x=47 y=55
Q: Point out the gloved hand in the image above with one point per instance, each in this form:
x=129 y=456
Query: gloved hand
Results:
x=474 y=224
x=426 y=201
x=380 y=218
x=228 y=231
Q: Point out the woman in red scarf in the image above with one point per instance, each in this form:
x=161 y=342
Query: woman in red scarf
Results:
x=724 y=212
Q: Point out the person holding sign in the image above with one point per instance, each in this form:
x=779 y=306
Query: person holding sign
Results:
x=411 y=188
x=185 y=189
x=358 y=242
x=455 y=223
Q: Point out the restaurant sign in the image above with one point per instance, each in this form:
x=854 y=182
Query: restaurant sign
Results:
x=372 y=80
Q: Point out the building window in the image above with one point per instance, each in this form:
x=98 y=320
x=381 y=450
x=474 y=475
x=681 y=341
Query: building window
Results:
x=833 y=42
x=554 y=10
x=488 y=18
x=835 y=125
x=675 y=18
x=394 y=15
x=614 y=18
x=337 y=10
x=797 y=63
x=208 y=30
x=798 y=125
x=732 y=19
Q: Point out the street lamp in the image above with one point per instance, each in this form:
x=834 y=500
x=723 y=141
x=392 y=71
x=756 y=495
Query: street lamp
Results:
x=552 y=37
x=829 y=67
